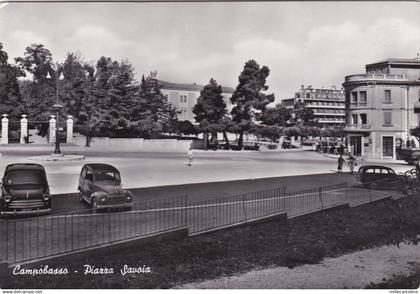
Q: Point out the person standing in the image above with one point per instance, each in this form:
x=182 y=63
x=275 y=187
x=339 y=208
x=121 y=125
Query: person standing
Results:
x=190 y=156
x=351 y=161
x=340 y=163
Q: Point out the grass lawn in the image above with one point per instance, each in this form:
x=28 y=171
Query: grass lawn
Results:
x=302 y=240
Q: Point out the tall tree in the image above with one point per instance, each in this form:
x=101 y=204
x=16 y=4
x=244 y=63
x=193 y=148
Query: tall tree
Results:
x=10 y=97
x=152 y=113
x=277 y=116
x=303 y=115
x=210 y=110
x=75 y=85
x=249 y=97
x=41 y=93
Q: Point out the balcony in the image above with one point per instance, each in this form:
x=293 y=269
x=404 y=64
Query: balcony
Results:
x=357 y=127
x=357 y=104
x=375 y=77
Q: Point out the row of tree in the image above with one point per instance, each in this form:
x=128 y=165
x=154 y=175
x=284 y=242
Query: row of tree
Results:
x=251 y=113
x=105 y=99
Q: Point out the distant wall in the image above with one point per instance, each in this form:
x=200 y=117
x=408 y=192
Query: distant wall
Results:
x=157 y=145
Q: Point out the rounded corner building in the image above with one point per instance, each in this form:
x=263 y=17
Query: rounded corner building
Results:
x=380 y=107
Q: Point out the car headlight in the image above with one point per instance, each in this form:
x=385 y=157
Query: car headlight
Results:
x=128 y=195
x=7 y=198
x=102 y=198
x=46 y=197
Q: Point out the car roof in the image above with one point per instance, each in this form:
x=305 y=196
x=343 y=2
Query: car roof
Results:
x=374 y=166
x=24 y=167
x=101 y=166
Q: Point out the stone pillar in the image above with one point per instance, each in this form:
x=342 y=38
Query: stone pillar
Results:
x=52 y=129
x=69 y=138
x=5 y=130
x=23 y=129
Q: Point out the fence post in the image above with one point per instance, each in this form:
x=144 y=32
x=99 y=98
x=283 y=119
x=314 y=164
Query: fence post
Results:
x=4 y=130
x=320 y=197
x=23 y=129
x=52 y=122
x=185 y=210
x=7 y=240
x=243 y=207
x=69 y=129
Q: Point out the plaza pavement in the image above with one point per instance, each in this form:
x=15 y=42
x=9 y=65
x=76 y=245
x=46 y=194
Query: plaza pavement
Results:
x=155 y=169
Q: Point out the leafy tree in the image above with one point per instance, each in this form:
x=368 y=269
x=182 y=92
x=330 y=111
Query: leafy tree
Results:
x=302 y=114
x=10 y=98
x=40 y=94
x=210 y=110
x=249 y=97
x=186 y=127
x=152 y=113
x=36 y=61
x=76 y=84
x=271 y=132
x=278 y=116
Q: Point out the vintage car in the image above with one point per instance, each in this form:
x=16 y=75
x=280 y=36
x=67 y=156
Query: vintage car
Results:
x=378 y=176
x=100 y=186
x=25 y=190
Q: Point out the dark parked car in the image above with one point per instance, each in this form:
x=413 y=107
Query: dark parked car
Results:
x=100 y=186
x=378 y=176
x=25 y=190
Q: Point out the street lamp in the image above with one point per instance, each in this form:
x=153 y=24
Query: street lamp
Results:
x=56 y=108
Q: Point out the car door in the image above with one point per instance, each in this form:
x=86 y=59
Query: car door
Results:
x=88 y=184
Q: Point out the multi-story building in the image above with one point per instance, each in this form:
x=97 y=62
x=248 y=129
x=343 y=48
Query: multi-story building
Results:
x=184 y=96
x=380 y=107
x=327 y=104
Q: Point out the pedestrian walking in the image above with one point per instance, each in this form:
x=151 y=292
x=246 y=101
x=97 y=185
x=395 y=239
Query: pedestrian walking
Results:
x=340 y=163
x=351 y=161
x=341 y=149
x=190 y=156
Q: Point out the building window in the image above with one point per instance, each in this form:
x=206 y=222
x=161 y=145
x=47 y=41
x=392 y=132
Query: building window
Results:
x=354 y=119
x=362 y=97
x=387 y=96
x=353 y=97
x=183 y=98
x=363 y=118
x=387 y=119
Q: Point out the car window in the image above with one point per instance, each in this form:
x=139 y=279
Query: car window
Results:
x=384 y=171
x=89 y=176
x=83 y=173
x=25 y=177
x=107 y=176
x=391 y=172
x=370 y=171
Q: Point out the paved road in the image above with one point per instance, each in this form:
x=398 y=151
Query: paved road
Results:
x=213 y=190
x=152 y=169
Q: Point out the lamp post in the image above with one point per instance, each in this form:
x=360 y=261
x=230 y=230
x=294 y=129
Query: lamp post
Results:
x=56 y=108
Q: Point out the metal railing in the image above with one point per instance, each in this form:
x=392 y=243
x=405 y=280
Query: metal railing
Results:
x=211 y=214
x=361 y=77
x=37 y=237
x=42 y=236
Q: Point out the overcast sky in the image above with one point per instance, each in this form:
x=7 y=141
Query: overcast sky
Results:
x=302 y=43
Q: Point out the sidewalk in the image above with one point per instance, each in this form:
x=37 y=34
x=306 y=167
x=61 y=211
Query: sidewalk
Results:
x=378 y=160
x=355 y=270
